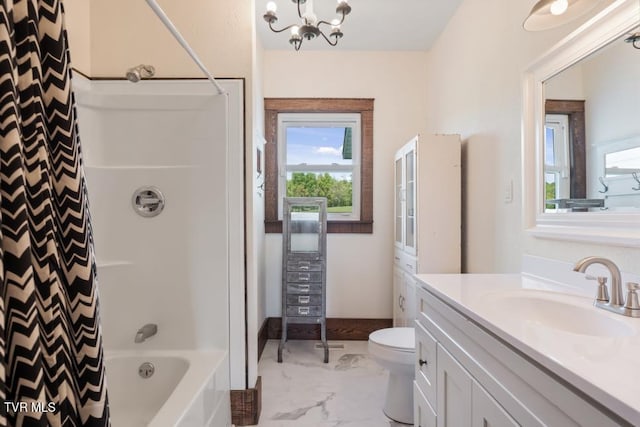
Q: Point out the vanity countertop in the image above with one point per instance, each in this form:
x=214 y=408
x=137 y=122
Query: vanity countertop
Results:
x=596 y=351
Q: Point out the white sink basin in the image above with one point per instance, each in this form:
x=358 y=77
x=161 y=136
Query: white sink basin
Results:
x=565 y=312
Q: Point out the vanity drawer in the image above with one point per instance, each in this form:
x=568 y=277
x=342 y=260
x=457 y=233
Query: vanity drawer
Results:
x=423 y=414
x=304 y=277
x=304 y=289
x=426 y=363
x=410 y=264
x=304 y=311
x=300 y=265
x=405 y=261
x=304 y=299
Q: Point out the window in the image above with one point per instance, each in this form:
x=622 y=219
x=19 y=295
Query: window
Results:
x=320 y=157
x=320 y=147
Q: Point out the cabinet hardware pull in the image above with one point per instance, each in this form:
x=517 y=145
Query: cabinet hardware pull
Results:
x=304 y=277
x=304 y=299
x=422 y=362
x=303 y=310
x=304 y=288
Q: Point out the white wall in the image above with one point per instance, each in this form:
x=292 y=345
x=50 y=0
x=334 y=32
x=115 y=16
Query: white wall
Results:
x=475 y=71
x=78 y=23
x=612 y=89
x=359 y=269
x=255 y=220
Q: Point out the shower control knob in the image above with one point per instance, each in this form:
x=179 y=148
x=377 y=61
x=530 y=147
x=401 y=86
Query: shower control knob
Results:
x=148 y=201
x=423 y=362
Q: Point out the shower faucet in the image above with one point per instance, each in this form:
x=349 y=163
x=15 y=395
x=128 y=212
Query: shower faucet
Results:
x=148 y=330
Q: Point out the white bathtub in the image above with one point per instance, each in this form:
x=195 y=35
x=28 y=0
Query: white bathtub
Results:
x=187 y=389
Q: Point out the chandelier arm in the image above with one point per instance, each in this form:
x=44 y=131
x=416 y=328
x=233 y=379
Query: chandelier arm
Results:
x=279 y=31
x=327 y=39
x=329 y=23
x=299 y=11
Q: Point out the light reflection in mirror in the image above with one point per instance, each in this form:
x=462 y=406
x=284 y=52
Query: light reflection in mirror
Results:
x=623 y=162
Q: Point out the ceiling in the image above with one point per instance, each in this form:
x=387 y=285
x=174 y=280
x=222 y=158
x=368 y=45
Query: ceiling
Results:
x=371 y=25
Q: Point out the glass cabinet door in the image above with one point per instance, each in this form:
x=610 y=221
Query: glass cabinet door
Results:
x=410 y=202
x=305 y=228
x=398 y=202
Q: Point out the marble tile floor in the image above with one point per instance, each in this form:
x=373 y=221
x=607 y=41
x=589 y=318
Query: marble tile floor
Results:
x=302 y=391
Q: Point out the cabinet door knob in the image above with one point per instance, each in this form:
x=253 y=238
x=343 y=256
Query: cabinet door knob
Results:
x=422 y=362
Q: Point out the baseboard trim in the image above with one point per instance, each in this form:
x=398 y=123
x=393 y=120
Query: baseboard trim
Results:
x=337 y=329
x=263 y=337
x=246 y=405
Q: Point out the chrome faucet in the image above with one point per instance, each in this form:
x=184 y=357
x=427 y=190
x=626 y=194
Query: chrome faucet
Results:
x=616 y=278
x=617 y=301
x=148 y=330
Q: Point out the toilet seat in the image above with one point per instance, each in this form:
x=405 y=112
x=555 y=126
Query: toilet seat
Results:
x=396 y=339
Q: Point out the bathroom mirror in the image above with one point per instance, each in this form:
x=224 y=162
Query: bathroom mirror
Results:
x=581 y=133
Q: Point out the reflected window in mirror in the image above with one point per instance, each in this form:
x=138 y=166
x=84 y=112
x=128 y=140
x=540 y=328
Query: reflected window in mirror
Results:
x=556 y=159
x=600 y=97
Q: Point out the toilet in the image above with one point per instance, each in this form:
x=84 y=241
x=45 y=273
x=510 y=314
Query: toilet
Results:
x=394 y=349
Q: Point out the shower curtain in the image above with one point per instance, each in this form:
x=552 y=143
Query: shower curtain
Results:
x=51 y=358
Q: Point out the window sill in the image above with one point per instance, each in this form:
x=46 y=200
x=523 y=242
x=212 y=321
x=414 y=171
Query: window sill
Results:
x=353 y=227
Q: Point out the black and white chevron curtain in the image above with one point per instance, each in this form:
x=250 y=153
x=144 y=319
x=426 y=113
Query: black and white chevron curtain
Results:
x=51 y=357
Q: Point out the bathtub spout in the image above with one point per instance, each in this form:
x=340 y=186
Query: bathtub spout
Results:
x=148 y=330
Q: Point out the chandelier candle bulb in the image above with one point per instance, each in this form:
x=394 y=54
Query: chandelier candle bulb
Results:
x=272 y=7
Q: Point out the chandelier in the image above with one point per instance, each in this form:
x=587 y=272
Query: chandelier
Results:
x=634 y=39
x=309 y=27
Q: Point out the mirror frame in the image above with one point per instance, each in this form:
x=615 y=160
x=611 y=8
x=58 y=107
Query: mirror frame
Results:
x=607 y=228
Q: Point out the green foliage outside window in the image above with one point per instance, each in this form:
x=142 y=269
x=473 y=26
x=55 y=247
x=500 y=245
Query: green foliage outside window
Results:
x=550 y=193
x=338 y=192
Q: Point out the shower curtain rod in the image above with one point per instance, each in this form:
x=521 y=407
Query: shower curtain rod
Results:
x=173 y=30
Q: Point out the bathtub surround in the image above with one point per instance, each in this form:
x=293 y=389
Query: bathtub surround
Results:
x=173 y=269
x=51 y=349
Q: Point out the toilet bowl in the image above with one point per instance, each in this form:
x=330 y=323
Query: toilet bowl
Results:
x=394 y=349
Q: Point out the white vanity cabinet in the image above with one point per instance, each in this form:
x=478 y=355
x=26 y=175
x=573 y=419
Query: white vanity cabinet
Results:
x=464 y=402
x=467 y=376
x=443 y=383
x=427 y=216
x=404 y=297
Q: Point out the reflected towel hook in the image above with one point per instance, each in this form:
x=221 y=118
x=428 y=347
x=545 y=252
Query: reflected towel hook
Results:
x=606 y=187
x=635 y=176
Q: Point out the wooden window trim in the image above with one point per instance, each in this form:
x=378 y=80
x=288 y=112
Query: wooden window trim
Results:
x=577 y=145
x=274 y=106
